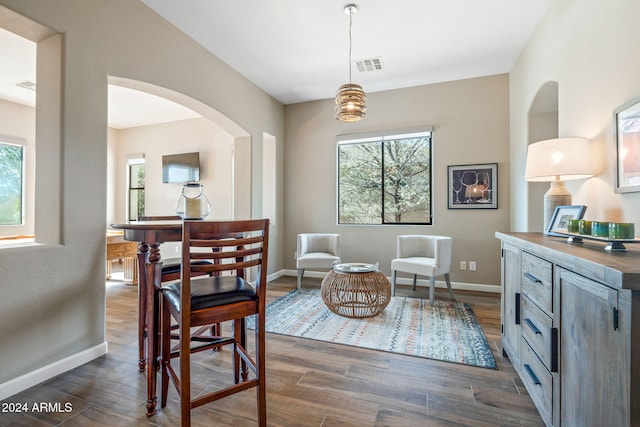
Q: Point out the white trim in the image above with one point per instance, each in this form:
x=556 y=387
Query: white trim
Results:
x=16 y=385
x=384 y=134
x=478 y=287
x=276 y=275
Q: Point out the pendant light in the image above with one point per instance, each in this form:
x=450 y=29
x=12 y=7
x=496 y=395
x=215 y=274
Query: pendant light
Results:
x=350 y=97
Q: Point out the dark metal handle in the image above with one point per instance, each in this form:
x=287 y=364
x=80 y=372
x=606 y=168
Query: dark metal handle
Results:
x=615 y=319
x=532 y=374
x=517 y=314
x=533 y=278
x=532 y=326
x=554 y=349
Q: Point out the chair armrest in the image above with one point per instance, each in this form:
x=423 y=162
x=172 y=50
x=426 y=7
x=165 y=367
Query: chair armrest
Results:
x=443 y=254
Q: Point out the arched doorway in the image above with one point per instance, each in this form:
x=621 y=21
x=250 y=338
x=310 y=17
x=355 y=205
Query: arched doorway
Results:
x=240 y=153
x=543 y=124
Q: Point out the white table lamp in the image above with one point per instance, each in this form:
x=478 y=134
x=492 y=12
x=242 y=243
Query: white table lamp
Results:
x=558 y=160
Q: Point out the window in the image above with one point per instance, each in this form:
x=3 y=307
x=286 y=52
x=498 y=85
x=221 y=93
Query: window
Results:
x=136 y=188
x=11 y=184
x=385 y=179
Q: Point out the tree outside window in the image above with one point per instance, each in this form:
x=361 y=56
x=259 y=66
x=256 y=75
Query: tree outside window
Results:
x=11 y=184
x=136 y=189
x=385 y=180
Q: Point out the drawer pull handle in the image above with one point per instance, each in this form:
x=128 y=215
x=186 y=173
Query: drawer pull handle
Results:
x=532 y=326
x=532 y=374
x=517 y=313
x=554 y=349
x=533 y=278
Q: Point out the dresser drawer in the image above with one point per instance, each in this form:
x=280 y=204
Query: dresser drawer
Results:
x=537 y=281
x=539 y=382
x=536 y=329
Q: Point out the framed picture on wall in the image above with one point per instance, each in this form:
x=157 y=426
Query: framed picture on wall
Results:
x=626 y=119
x=473 y=186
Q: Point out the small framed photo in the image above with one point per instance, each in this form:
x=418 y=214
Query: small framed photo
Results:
x=627 y=136
x=561 y=216
x=473 y=186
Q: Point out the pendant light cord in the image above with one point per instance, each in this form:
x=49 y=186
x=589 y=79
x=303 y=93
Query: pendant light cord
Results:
x=350 y=22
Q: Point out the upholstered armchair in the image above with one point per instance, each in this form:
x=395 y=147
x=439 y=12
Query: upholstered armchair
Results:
x=423 y=255
x=316 y=250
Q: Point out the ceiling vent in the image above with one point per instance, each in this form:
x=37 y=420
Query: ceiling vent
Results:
x=370 y=64
x=27 y=85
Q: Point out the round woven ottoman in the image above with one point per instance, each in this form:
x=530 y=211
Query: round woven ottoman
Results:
x=356 y=290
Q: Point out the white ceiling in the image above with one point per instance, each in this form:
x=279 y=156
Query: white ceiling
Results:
x=297 y=50
x=127 y=107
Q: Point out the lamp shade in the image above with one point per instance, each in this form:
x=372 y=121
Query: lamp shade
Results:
x=350 y=103
x=560 y=159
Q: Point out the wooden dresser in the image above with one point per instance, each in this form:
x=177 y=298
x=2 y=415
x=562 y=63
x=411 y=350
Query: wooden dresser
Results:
x=571 y=328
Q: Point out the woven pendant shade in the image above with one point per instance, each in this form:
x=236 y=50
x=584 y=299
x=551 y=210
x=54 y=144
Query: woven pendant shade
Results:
x=350 y=97
x=350 y=103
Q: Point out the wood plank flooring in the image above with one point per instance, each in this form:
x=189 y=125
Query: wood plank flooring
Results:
x=310 y=383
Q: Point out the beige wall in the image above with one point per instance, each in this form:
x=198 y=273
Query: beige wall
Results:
x=470 y=126
x=590 y=48
x=53 y=309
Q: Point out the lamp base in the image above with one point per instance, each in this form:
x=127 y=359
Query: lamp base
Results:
x=558 y=195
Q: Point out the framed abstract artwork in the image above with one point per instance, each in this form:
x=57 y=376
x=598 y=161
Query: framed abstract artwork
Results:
x=626 y=119
x=473 y=186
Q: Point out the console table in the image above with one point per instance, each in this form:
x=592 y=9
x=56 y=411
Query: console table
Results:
x=571 y=328
x=118 y=248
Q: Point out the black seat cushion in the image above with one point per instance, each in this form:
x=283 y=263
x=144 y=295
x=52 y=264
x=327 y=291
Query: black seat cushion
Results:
x=173 y=265
x=212 y=292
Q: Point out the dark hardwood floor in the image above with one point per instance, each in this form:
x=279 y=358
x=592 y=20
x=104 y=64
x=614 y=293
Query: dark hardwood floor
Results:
x=310 y=383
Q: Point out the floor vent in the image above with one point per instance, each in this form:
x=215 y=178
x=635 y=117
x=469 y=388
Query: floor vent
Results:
x=27 y=85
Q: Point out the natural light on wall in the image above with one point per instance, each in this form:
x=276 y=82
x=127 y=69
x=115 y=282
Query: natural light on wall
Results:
x=269 y=177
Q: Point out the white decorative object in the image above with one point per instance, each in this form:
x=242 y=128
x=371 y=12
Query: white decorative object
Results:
x=193 y=204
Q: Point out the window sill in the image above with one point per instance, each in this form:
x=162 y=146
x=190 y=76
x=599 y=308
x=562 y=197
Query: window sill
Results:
x=16 y=241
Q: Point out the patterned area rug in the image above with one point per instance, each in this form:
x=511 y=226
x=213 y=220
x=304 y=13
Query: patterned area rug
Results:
x=447 y=331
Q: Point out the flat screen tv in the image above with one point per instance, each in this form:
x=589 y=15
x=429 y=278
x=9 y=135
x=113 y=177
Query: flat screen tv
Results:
x=181 y=168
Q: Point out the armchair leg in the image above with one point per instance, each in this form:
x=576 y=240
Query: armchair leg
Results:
x=446 y=278
x=415 y=280
x=300 y=274
x=393 y=283
x=432 y=289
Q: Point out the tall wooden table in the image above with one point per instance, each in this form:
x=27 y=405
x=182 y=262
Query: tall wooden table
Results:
x=149 y=235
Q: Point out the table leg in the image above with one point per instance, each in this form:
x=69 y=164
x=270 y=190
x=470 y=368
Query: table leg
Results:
x=143 y=251
x=153 y=273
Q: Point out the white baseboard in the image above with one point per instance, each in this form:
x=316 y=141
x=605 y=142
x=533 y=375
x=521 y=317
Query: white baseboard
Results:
x=45 y=373
x=478 y=287
x=275 y=275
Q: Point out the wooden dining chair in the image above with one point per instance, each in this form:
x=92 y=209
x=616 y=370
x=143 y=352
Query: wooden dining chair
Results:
x=227 y=296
